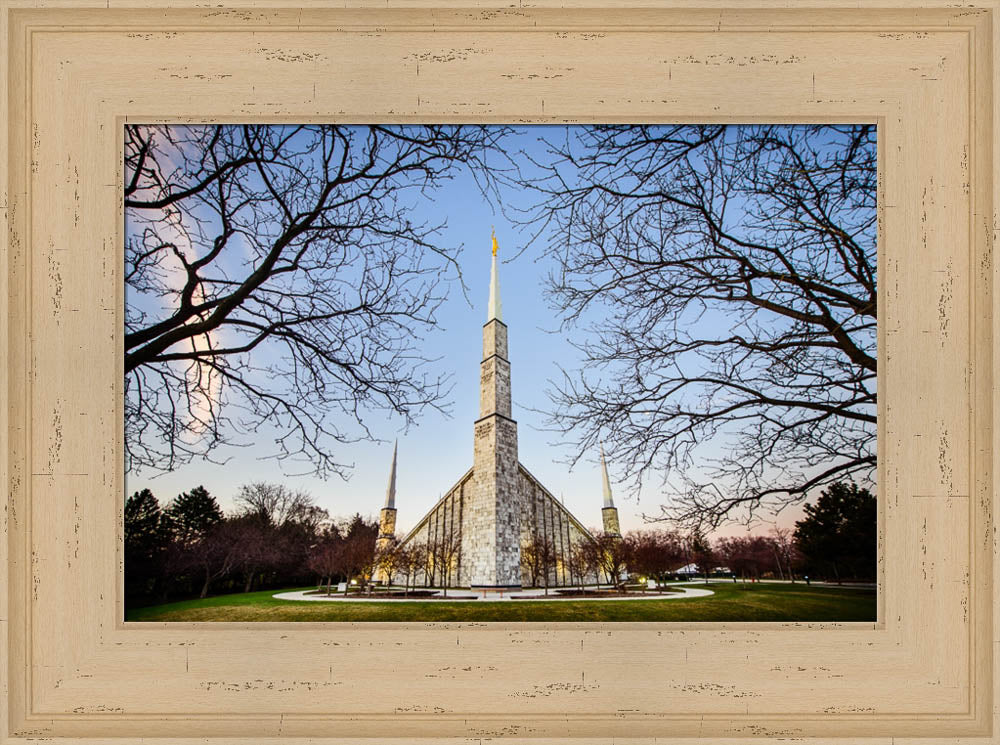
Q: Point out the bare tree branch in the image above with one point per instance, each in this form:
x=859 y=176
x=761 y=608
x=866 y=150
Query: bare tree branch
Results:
x=724 y=279
x=278 y=284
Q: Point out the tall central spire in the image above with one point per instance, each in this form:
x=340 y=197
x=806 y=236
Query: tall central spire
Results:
x=492 y=534
x=494 y=386
x=495 y=309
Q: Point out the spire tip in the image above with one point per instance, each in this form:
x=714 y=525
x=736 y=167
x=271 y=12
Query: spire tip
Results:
x=495 y=309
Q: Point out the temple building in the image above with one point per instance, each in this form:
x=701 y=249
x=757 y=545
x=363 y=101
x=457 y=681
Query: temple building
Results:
x=479 y=533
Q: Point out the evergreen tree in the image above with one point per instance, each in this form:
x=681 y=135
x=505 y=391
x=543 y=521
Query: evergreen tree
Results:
x=192 y=515
x=145 y=543
x=142 y=523
x=837 y=536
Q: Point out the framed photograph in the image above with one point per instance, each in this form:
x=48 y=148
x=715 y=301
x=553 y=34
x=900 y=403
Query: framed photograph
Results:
x=887 y=114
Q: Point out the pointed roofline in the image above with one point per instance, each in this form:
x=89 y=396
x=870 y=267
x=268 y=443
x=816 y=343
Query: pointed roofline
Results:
x=390 y=491
x=608 y=499
x=495 y=309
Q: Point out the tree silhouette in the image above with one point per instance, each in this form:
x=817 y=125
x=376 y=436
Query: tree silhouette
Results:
x=654 y=553
x=726 y=276
x=701 y=553
x=276 y=282
x=192 y=516
x=609 y=553
x=146 y=540
x=538 y=553
x=838 y=533
x=412 y=561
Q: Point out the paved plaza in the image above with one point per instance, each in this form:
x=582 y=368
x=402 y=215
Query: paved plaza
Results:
x=675 y=592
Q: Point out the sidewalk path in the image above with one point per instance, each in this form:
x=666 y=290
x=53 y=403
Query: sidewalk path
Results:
x=521 y=596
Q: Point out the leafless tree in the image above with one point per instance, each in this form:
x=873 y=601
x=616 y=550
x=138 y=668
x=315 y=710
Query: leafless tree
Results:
x=388 y=559
x=413 y=560
x=727 y=277
x=750 y=555
x=785 y=553
x=582 y=561
x=218 y=552
x=276 y=503
x=610 y=554
x=444 y=553
x=256 y=546
x=325 y=558
x=539 y=554
x=700 y=553
x=653 y=553
x=276 y=283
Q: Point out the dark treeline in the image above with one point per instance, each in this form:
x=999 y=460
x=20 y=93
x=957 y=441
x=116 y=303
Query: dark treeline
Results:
x=276 y=537
x=835 y=541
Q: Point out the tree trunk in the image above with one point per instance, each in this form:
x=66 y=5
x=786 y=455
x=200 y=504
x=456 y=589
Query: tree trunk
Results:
x=777 y=562
x=204 y=587
x=249 y=583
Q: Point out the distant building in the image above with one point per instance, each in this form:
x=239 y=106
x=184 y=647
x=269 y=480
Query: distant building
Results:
x=693 y=570
x=497 y=507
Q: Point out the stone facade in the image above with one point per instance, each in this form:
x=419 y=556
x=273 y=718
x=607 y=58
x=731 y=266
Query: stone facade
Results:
x=540 y=514
x=609 y=516
x=491 y=527
x=544 y=516
x=387 y=522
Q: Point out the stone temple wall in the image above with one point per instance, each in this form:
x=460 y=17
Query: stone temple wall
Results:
x=545 y=516
x=538 y=512
x=492 y=530
x=446 y=523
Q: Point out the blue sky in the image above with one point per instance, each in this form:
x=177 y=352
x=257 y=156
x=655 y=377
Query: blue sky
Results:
x=438 y=450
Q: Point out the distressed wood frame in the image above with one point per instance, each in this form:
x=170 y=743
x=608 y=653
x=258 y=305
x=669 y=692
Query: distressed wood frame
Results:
x=74 y=71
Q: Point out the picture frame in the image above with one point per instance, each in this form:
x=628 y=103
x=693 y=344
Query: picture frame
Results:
x=76 y=71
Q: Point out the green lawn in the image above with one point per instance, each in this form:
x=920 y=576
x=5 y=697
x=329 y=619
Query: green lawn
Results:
x=731 y=602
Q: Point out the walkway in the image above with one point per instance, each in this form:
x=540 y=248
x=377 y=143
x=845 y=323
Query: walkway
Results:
x=464 y=595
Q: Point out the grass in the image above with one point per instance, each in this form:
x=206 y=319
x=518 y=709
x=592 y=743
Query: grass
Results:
x=731 y=602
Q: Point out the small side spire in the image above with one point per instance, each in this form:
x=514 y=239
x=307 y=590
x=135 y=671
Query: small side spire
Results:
x=609 y=513
x=390 y=492
x=608 y=500
x=387 y=521
x=495 y=309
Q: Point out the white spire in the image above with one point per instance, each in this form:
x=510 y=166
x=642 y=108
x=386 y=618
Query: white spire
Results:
x=495 y=309
x=608 y=502
x=390 y=492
